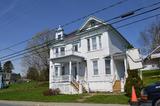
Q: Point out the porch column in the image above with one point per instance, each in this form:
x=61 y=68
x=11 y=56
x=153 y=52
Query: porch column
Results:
x=51 y=74
x=125 y=67
x=70 y=70
x=112 y=66
x=59 y=70
x=77 y=66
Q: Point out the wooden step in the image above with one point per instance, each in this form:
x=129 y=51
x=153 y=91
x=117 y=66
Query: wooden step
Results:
x=117 y=86
x=75 y=85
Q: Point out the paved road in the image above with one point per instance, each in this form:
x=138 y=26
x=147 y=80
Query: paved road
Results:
x=20 y=103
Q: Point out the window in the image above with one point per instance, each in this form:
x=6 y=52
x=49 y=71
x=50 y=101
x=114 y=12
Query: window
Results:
x=88 y=44
x=59 y=37
x=75 y=47
x=62 y=50
x=95 y=67
x=63 y=70
x=94 y=43
x=107 y=64
x=56 y=71
x=56 y=50
x=100 y=44
x=92 y=23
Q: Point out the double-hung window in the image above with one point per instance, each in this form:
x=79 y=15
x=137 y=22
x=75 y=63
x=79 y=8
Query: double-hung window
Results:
x=107 y=64
x=95 y=67
x=56 y=50
x=94 y=43
x=62 y=50
x=100 y=43
x=75 y=47
x=88 y=44
x=56 y=71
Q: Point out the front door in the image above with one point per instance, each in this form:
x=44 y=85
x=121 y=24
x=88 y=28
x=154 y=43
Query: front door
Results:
x=120 y=69
x=75 y=69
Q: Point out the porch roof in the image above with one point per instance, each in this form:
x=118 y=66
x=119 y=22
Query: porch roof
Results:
x=119 y=56
x=68 y=58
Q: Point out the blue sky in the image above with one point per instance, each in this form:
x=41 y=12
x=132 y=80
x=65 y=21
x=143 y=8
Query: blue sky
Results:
x=22 y=19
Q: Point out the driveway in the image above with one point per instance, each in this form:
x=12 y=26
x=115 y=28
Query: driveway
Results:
x=21 y=103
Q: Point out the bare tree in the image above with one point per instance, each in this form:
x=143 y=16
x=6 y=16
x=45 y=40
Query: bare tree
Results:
x=150 y=37
x=39 y=55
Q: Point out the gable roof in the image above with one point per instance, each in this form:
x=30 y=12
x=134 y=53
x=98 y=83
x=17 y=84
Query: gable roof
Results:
x=74 y=34
x=155 y=51
x=91 y=19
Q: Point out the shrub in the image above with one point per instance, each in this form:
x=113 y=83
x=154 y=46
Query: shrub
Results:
x=51 y=92
x=133 y=80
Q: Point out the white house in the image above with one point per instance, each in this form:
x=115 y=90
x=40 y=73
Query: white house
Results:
x=90 y=59
x=152 y=60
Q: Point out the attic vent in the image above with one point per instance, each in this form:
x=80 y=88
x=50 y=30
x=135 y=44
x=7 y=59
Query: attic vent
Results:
x=92 y=23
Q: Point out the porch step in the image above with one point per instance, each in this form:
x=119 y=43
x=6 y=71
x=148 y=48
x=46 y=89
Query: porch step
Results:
x=117 y=86
x=75 y=85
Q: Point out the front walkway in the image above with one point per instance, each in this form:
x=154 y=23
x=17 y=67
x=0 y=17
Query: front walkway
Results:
x=22 y=103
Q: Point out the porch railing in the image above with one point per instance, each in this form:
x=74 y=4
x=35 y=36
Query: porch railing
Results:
x=67 y=78
x=66 y=53
x=63 y=78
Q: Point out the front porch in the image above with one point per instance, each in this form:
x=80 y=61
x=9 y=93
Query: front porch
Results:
x=68 y=73
x=119 y=62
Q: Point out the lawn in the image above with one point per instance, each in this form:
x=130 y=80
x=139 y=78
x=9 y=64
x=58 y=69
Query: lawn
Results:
x=108 y=99
x=33 y=91
x=151 y=76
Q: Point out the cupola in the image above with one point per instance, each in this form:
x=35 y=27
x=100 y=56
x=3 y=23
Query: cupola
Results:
x=59 y=33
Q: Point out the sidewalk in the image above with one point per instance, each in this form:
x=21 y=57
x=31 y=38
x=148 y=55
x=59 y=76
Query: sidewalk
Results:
x=26 y=103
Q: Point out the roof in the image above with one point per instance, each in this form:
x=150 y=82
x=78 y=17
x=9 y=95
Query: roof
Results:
x=74 y=34
x=155 y=51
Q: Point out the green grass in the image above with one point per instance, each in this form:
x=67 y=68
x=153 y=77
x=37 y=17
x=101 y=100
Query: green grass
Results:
x=108 y=99
x=33 y=91
x=151 y=76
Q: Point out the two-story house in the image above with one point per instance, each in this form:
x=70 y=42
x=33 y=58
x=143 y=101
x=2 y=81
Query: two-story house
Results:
x=90 y=59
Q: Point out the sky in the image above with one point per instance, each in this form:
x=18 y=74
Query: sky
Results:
x=22 y=19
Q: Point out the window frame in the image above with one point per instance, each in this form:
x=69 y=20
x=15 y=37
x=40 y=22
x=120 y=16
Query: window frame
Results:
x=57 y=50
x=100 y=42
x=56 y=70
x=95 y=67
x=88 y=44
x=107 y=66
x=59 y=36
x=94 y=43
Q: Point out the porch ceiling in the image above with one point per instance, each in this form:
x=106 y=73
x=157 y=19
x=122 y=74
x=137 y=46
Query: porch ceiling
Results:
x=67 y=59
x=119 y=56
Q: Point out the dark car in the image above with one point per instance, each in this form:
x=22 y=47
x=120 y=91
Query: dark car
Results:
x=150 y=95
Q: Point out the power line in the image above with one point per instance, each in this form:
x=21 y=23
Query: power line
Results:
x=95 y=12
x=116 y=28
x=120 y=2
x=54 y=39
x=110 y=29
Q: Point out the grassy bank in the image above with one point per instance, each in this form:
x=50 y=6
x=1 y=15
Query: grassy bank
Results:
x=151 y=76
x=33 y=91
